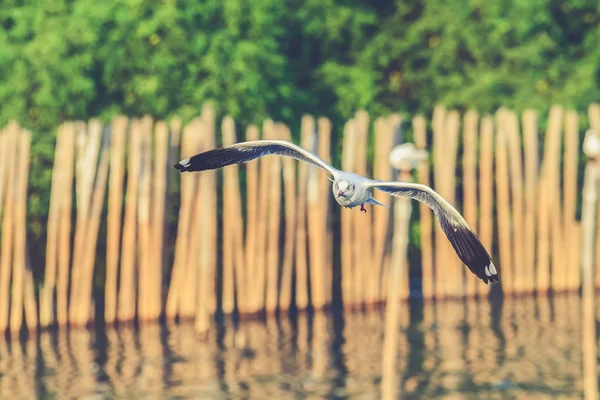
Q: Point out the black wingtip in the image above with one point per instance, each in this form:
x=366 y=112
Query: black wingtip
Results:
x=183 y=165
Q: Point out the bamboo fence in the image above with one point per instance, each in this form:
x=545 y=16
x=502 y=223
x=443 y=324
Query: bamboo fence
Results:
x=258 y=237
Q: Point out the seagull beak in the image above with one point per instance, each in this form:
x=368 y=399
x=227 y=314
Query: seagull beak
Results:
x=340 y=193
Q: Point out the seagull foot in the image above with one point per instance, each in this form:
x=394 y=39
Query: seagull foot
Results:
x=362 y=208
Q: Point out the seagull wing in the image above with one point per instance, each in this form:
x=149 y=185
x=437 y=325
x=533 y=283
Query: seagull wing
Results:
x=466 y=244
x=247 y=151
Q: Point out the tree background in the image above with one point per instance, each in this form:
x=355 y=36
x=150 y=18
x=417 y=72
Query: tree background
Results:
x=65 y=59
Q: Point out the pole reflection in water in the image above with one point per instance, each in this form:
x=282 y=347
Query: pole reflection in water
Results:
x=521 y=348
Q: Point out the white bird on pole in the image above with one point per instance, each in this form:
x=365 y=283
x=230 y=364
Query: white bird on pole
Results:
x=351 y=190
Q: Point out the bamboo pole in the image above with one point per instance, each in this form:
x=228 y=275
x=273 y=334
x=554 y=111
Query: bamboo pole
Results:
x=262 y=225
x=591 y=148
x=346 y=243
x=402 y=209
x=88 y=144
x=127 y=289
x=362 y=222
x=64 y=245
x=252 y=133
x=572 y=279
x=230 y=191
x=240 y=273
x=324 y=127
x=3 y=168
x=289 y=187
x=274 y=222
x=547 y=204
x=208 y=183
x=6 y=252
x=206 y=300
x=454 y=283
x=486 y=192
x=427 y=256
x=47 y=291
x=384 y=130
x=177 y=287
x=159 y=199
x=594 y=117
x=145 y=252
x=307 y=127
x=115 y=211
x=516 y=180
x=191 y=298
x=531 y=183
x=503 y=206
x=19 y=180
x=470 y=184
x=439 y=148
x=85 y=301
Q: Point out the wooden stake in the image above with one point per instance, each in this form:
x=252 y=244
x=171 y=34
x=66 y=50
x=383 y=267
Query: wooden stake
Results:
x=230 y=191
x=127 y=287
x=362 y=222
x=115 y=211
x=439 y=165
x=47 y=291
x=531 y=184
x=572 y=279
x=145 y=252
x=503 y=206
x=349 y=264
x=428 y=279
x=470 y=185
x=6 y=252
x=307 y=128
x=594 y=117
x=65 y=221
x=252 y=133
x=486 y=181
x=516 y=179
x=274 y=222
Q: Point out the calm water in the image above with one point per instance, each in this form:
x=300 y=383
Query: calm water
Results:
x=525 y=348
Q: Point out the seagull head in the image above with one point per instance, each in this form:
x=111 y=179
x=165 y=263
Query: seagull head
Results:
x=344 y=188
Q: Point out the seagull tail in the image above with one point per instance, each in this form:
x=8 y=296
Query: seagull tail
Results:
x=373 y=201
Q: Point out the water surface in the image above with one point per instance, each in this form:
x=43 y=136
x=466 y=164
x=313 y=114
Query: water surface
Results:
x=524 y=348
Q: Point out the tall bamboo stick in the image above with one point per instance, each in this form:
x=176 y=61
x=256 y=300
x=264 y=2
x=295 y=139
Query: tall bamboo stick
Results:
x=261 y=232
x=47 y=291
x=571 y=228
x=362 y=221
x=503 y=206
x=454 y=284
x=252 y=133
x=427 y=257
x=230 y=191
x=19 y=180
x=274 y=222
x=348 y=261
x=307 y=128
x=384 y=130
x=439 y=148
x=324 y=127
x=145 y=252
x=159 y=194
x=177 y=285
x=594 y=117
x=531 y=179
x=64 y=245
x=6 y=252
x=516 y=179
x=470 y=184
x=486 y=180
x=589 y=251
x=289 y=187
x=127 y=288
x=115 y=210
x=84 y=311
x=206 y=300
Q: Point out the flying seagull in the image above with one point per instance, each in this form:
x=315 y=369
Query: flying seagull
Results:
x=351 y=190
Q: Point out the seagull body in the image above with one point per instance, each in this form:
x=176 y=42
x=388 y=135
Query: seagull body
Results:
x=351 y=190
